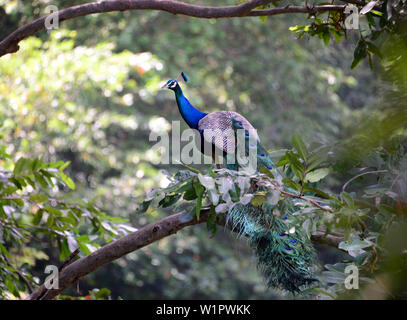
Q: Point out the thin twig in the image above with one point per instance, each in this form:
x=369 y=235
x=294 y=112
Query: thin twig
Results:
x=69 y=259
x=22 y=277
x=312 y=202
x=362 y=174
x=292 y=195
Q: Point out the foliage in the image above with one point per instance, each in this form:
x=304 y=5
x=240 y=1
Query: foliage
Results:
x=363 y=222
x=31 y=211
x=378 y=19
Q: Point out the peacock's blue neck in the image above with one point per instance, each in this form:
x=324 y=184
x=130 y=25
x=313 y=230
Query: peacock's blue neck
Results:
x=190 y=114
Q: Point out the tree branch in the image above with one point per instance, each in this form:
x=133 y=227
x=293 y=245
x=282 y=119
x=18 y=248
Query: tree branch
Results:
x=361 y=3
x=116 y=249
x=296 y=9
x=20 y=274
x=360 y=175
x=10 y=43
x=153 y=232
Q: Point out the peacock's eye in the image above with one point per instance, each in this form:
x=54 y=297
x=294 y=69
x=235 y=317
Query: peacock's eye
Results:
x=239 y=123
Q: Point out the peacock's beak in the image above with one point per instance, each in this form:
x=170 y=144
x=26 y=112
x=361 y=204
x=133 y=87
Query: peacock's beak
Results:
x=165 y=86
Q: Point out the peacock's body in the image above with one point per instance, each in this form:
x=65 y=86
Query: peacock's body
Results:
x=284 y=256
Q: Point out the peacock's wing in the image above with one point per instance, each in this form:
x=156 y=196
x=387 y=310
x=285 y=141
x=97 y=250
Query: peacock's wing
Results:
x=216 y=129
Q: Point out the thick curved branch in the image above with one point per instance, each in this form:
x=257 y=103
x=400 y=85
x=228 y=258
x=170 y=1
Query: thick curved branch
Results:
x=134 y=241
x=10 y=43
x=114 y=250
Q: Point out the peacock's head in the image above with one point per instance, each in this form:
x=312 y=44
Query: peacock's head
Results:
x=173 y=84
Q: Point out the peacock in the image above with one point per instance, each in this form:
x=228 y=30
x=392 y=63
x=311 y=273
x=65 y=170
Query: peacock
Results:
x=286 y=259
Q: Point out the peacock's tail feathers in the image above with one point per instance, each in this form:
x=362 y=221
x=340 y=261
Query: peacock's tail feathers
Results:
x=284 y=254
x=285 y=258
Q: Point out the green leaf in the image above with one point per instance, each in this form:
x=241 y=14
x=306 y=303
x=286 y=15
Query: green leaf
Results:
x=283 y=161
x=64 y=250
x=83 y=247
x=374 y=49
x=199 y=189
x=371 y=20
x=143 y=207
x=377 y=13
x=299 y=145
x=50 y=220
x=30 y=182
x=52 y=210
x=317 y=174
x=266 y=171
x=337 y=35
x=38 y=198
x=211 y=222
x=326 y=36
x=263 y=19
x=169 y=200
x=21 y=165
x=359 y=54
x=12 y=287
x=66 y=164
x=318 y=192
x=36 y=164
x=291 y=184
x=190 y=194
x=295 y=28
x=38 y=216
x=296 y=165
x=18 y=202
x=258 y=200
x=17 y=182
x=348 y=199
x=4 y=250
x=190 y=168
x=40 y=179
x=68 y=181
